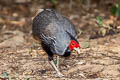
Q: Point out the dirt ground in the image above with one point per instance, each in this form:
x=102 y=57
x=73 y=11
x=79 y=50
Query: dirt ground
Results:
x=21 y=58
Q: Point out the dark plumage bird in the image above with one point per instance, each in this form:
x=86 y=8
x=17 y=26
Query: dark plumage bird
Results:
x=56 y=33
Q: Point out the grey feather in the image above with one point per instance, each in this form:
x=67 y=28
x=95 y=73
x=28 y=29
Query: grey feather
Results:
x=50 y=26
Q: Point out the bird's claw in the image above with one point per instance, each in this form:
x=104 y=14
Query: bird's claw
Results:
x=60 y=74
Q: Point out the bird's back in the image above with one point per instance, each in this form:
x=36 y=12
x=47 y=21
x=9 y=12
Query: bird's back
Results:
x=51 y=27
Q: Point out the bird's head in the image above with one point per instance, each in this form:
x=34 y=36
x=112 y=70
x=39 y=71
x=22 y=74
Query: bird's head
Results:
x=74 y=46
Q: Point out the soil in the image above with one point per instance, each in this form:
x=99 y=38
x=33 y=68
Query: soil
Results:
x=22 y=58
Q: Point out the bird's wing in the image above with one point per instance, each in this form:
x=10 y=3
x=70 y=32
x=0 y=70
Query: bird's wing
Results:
x=56 y=44
x=50 y=42
x=47 y=40
x=66 y=24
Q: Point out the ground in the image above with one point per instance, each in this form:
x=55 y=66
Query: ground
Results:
x=22 y=58
x=98 y=62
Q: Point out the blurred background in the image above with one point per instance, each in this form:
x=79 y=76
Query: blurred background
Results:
x=97 y=23
x=92 y=18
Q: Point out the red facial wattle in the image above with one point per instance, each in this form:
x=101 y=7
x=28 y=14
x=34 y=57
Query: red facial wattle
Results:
x=73 y=44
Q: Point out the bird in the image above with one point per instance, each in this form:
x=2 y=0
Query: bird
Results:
x=56 y=34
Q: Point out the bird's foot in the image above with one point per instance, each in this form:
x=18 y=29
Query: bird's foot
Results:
x=57 y=66
x=60 y=74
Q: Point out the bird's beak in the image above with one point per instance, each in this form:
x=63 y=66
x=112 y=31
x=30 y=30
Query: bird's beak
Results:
x=77 y=49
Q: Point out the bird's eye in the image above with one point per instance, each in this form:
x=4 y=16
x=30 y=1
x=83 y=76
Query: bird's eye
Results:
x=73 y=44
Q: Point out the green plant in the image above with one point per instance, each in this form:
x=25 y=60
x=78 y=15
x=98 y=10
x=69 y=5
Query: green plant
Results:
x=30 y=51
x=5 y=75
x=85 y=44
x=116 y=9
x=103 y=27
x=54 y=1
x=99 y=21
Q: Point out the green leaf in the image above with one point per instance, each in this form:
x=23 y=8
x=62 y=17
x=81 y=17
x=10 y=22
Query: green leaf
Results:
x=4 y=75
x=99 y=21
x=54 y=1
x=84 y=44
x=116 y=9
x=25 y=78
x=30 y=51
x=103 y=31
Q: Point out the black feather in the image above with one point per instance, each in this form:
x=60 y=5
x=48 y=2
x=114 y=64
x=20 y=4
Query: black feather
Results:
x=55 y=32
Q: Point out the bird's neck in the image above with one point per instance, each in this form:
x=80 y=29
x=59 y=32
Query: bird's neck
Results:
x=67 y=52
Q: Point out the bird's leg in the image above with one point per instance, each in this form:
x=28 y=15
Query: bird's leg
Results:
x=58 y=72
x=57 y=62
x=56 y=69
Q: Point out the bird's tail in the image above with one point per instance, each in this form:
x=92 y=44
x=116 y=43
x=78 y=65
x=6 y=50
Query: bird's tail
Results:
x=41 y=10
x=37 y=11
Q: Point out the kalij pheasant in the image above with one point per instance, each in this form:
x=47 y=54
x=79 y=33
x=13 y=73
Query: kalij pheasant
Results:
x=56 y=33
